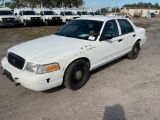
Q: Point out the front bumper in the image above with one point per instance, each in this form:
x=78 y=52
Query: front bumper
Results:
x=9 y=23
x=56 y=21
x=35 y=82
x=34 y=22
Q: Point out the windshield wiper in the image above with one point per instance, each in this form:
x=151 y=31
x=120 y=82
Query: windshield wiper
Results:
x=70 y=36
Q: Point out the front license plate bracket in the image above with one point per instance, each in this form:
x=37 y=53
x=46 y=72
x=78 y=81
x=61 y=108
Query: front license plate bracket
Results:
x=8 y=75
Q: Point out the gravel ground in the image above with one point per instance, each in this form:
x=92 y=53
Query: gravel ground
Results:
x=121 y=90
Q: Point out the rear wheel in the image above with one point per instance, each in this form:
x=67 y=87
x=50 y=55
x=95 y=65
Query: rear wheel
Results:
x=76 y=75
x=135 y=51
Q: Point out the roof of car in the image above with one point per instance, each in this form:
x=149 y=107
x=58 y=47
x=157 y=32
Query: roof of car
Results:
x=101 y=18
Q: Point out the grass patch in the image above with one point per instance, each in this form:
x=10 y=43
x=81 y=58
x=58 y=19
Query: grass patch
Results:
x=22 y=34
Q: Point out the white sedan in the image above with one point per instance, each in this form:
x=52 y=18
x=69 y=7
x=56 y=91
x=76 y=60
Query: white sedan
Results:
x=68 y=56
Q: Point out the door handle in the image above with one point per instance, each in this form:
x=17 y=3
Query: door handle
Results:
x=120 y=40
x=134 y=35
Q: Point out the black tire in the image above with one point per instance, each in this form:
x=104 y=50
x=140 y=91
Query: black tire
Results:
x=134 y=52
x=76 y=75
x=25 y=24
x=67 y=21
x=46 y=23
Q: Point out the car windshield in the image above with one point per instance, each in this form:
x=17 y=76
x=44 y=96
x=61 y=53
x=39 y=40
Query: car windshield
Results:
x=82 y=29
x=49 y=13
x=6 y=13
x=97 y=13
x=69 y=13
x=85 y=13
x=29 y=13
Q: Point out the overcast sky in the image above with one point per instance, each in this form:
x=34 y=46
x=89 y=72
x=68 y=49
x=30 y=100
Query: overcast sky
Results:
x=112 y=3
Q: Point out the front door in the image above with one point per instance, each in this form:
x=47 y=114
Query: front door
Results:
x=112 y=48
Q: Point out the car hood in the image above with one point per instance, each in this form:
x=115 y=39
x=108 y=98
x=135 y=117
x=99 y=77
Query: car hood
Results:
x=41 y=49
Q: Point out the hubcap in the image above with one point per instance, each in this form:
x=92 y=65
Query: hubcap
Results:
x=135 y=52
x=78 y=74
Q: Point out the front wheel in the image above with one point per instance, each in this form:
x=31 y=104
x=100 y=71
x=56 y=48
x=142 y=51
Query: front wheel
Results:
x=76 y=75
x=135 y=51
x=25 y=24
x=46 y=23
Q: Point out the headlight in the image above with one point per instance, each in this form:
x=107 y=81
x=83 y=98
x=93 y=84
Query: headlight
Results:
x=49 y=18
x=0 y=19
x=32 y=67
x=28 y=18
x=41 y=69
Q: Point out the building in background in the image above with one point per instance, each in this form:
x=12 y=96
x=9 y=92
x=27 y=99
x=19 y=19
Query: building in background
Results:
x=141 y=11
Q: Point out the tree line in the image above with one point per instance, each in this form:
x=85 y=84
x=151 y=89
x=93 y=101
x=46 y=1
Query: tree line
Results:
x=43 y=3
x=145 y=5
x=108 y=10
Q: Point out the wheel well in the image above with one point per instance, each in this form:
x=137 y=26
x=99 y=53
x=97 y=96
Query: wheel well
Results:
x=139 y=40
x=83 y=58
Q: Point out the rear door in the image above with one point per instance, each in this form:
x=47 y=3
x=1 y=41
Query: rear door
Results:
x=128 y=32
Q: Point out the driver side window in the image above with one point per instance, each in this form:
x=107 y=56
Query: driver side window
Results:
x=62 y=13
x=41 y=13
x=20 y=13
x=111 y=28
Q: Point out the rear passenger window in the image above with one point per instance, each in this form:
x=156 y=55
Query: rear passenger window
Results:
x=41 y=13
x=126 y=27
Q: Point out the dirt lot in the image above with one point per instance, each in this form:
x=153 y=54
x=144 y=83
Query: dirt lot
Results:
x=122 y=90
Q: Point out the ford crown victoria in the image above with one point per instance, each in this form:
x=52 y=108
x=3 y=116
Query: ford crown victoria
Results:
x=68 y=56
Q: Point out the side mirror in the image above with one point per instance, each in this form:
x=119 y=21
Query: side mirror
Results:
x=16 y=14
x=106 y=37
x=38 y=14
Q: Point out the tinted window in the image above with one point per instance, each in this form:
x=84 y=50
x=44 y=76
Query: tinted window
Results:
x=20 y=13
x=29 y=13
x=78 y=13
x=126 y=27
x=97 y=13
x=111 y=28
x=69 y=13
x=85 y=13
x=49 y=13
x=6 y=13
x=82 y=29
x=41 y=13
x=61 y=13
